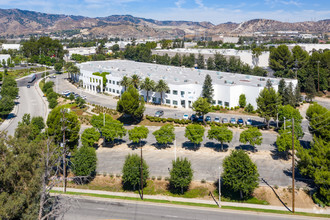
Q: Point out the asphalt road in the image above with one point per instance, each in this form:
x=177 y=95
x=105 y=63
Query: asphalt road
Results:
x=30 y=102
x=118 y=209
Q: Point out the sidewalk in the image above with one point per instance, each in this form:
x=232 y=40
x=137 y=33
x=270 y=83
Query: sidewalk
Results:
x=202 y=201
x=44 y=99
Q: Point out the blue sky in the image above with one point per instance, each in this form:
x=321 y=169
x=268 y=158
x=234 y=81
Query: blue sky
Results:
x=215 y=11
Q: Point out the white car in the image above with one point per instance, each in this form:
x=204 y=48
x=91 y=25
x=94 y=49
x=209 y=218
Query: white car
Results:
x=65 y=92
x=185 y=116
x=84 y=97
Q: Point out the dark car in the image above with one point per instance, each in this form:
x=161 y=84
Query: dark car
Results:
x=159 y=113
x=240 y=121
x=28 y=86
x=200 y=118
x=208 y=118
x=193 y=117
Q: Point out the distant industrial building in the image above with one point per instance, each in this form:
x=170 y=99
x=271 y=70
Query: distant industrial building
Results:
x=10 y=46
x=244 y=55
x=185 y=84
x=85 y=51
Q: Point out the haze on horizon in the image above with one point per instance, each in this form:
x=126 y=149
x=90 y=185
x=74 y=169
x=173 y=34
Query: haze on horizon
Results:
x=214 y=11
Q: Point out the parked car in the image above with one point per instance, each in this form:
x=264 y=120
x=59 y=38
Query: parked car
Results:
x=185 y=116
x=28 y=86
x=240 y=121
x=76 y=96
x=159 y=113
x=17 y=97
x=248 y=121
x=200 y=118
x=224 y=120
x=67 y=95
x=217 y=119
x=193 y=117
x=208 y=118
x=65 y=92
x=84 y=97
x=233 y=121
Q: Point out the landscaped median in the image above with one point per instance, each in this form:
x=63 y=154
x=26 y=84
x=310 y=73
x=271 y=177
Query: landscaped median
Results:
x=188 y=202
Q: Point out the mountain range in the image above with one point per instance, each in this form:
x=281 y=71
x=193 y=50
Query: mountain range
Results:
x=16 y=22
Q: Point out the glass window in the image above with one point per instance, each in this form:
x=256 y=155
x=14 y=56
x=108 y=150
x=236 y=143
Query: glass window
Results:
x=219 y=102
x=182 y=93
x=113 y=82
x=175 y=102
x=117 y=91
x=153 y=99
x=168 y=92
x=109 y=81
x=175 y=92
x=213 y=102
x=118 y=83
x=113 y=90
x=168 y=101
x=227 y=104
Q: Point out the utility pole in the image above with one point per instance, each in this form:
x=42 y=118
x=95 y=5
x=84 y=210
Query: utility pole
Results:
x=284 y=123
x=219 y=187
x=141 y=172
x=277 y=120
x=293 y=191
x=318 y=75
x=64 y=151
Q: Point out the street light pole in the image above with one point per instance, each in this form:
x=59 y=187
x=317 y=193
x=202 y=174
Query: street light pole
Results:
x=219 y=187
x=293 y=192
x=318 y=75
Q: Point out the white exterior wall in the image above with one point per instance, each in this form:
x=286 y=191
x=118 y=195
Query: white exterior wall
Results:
x=90 y=81
x=4 y=57
x=11 y=46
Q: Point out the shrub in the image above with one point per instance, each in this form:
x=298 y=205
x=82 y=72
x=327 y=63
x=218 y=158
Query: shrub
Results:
x=84 y=163
x=159 y=178
x=153 y=177
x=52 y=103
x=131 y=171
x=203 y=181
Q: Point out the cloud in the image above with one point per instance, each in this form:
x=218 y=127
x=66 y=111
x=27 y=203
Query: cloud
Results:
x=179 y=3
x=200 y=3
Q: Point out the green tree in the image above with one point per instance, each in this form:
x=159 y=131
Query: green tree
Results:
x=135 y=81
x=200 y=61
x=201 y=106
x=268 y=102
x=113 y=129
x=126 y=82
x=52 y=103
x=221 y=134
x=314 y=163
x=165 y=134
x=240 y=174
x=73 y=71
x=194 y=133
x=249 y=108
x=284 y=142
x=299 y=56
x=161 y=87
x=138 y=133
x=176 y=60
x=9 y=88
x=220 y=62
x=6 y=105
x=58 y=67
x=310 y=88
x=252 y=136
x=181 y=174
x=318 y=117
x=208 y=89
x=130 y=103
x=210 y=63
x=289 y=96
x=242 y=101
x=84 y=163
x=131 y=171
x=47 y=86
x=89 y=137
x=280 y=58
x=71 y=97
x=148 y=85
x=289 y=112
x=58 y=117
x=38 y=122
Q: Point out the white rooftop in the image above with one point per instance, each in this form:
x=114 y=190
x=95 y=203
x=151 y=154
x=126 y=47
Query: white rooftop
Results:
x=174 y=75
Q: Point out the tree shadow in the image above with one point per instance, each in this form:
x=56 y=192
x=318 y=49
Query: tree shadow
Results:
x=298 y=176
x=190 y=146
x=176 y=190
x=10 y=116
x=228 y=193
x=135 y=146
x=128 y=120
x=115 y=142
x=246 y=147
x=277 y=155
x=305 y=144
x=217 y=146
x=161 y=146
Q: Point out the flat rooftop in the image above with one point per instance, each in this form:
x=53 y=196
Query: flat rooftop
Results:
x=174 y=75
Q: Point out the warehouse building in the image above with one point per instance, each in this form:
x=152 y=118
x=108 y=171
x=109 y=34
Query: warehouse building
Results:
x=185 y=84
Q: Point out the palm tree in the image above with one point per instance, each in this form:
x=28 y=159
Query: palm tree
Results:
x=135 y=80
x=126 y=82
x=74 y=71
x=148 y=85
x=161 y=87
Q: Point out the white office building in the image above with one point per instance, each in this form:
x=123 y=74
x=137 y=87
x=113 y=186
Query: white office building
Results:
x=185 y=84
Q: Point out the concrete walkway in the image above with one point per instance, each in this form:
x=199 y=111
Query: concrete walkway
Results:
x=203 y=201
